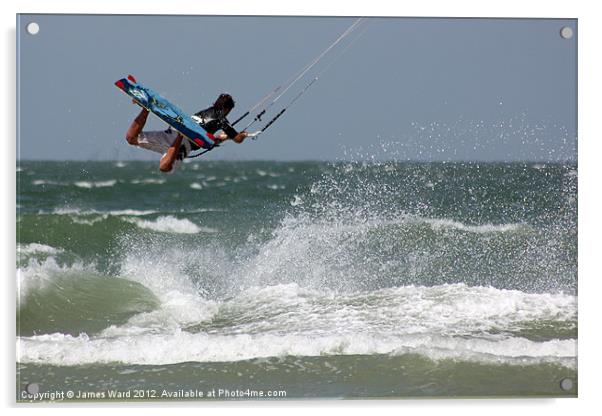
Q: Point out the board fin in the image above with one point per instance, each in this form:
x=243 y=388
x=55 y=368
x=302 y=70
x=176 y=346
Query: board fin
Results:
x=131 y=78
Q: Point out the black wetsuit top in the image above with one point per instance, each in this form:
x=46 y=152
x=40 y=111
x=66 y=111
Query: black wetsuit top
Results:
x=214 y=120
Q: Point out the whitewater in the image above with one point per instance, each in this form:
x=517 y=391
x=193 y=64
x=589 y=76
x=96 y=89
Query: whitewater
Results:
x=325 y=279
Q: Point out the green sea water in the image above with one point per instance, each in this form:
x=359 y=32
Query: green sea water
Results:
x=319 y=280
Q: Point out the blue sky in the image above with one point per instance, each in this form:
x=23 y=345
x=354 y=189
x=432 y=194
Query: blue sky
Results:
x=407 y=89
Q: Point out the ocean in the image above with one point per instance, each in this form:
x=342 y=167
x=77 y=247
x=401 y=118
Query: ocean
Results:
x=288 y=280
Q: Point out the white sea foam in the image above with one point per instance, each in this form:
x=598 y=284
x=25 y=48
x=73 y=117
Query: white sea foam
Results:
x=438 y=224
x=261 y=172
x=180 y=346
x=438 y=322
x=76 y=212
x=41 y=182
x=170 y=224
x=91 y=217
x=297 y=201
x=36 y=248
x=201 y=210
x=148 y=181
x=88 y=221
x=98 y=184
x=181 y=303
x=196 y=185
x=447 y=310
x=275 y=187
x=36 y=274
x=61 y=211
x=131 y=212
x=118 y=212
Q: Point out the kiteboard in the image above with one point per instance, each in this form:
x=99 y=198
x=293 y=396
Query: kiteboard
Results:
x=166 y=111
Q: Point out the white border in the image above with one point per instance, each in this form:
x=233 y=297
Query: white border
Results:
x=590 y=92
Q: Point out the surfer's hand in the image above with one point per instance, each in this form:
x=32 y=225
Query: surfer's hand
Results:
x=240 y=137
x=142 y=109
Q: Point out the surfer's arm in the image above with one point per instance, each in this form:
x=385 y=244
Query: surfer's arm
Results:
x=238 y=137
x=229 y=132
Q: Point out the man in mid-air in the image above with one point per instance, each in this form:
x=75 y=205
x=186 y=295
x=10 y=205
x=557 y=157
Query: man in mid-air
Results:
x=172 y=145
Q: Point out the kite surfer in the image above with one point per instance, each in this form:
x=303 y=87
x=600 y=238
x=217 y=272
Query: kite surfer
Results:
x=171 y=144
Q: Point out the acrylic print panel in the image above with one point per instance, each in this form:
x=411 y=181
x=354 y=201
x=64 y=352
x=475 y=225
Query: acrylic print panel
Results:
x=395 y=217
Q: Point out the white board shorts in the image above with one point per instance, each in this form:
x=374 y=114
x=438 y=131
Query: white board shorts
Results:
x=160 y=141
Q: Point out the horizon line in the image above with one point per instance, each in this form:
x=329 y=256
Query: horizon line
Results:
x=573 y=161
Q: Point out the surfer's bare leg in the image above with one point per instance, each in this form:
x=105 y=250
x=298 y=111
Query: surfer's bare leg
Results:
x=169 y=158
x=136 y=127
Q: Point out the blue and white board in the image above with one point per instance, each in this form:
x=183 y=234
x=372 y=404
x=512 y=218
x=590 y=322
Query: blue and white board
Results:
x=168 y=112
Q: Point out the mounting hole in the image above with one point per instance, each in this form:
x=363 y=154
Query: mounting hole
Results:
x=566 y=32
x=33 y=28
x=32 y=388
x=566 y=384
